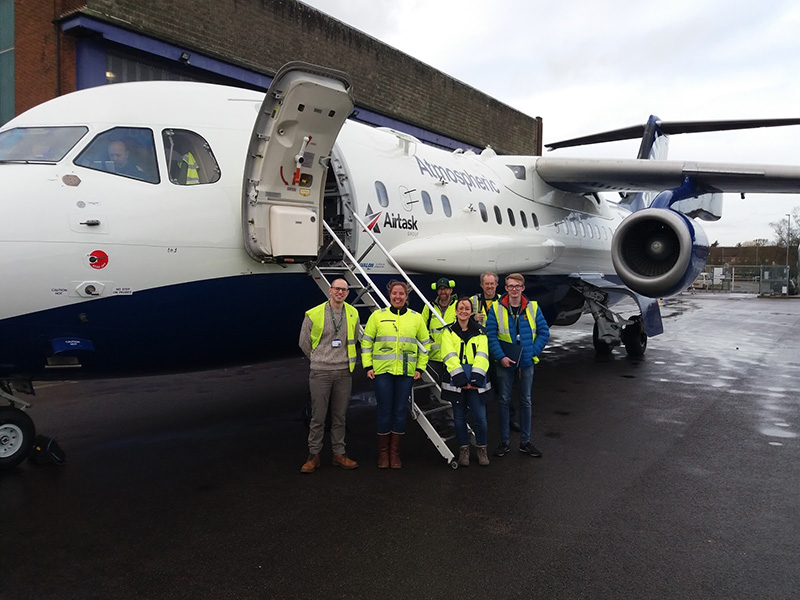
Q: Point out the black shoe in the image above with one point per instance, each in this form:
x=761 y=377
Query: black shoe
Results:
x=515 y=426
x=529 y=448
x=502 y=450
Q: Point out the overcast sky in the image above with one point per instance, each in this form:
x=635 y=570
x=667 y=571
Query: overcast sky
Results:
x=586 y=67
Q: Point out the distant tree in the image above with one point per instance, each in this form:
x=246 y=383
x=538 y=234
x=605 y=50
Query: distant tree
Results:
x=716 y=242
x=738 y=244
x=793 y=233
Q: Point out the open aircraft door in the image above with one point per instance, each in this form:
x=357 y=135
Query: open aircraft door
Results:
x=287 y=162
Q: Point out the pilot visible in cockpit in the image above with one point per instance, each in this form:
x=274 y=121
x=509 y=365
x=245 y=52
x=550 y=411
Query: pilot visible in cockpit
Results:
x=119 y=153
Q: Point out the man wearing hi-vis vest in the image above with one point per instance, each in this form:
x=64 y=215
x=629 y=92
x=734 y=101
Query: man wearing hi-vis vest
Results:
x=516 y=322
x=328 y=338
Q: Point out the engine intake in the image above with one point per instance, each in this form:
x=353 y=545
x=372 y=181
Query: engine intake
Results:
x=658 y=252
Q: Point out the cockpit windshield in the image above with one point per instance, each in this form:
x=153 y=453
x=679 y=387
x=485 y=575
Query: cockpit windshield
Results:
x=38 y=144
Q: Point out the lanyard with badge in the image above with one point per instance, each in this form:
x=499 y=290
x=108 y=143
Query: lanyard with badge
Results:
x=336 y=342
x=515 y=312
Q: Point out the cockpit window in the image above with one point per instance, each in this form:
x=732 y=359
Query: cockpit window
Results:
x=189 y=158
x=38 y=144
x=126 y=151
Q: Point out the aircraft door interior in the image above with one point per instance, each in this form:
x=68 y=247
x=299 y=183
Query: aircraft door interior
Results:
x=288 y=160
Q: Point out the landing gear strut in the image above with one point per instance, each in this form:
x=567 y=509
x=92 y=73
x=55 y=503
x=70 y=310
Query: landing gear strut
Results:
x=612 y=329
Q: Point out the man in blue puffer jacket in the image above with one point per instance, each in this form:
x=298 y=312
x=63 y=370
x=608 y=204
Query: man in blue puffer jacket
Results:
x=516 y=320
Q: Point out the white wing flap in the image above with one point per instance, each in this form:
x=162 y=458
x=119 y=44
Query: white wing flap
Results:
x=634 y=175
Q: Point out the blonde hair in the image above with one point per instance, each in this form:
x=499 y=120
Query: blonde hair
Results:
x=515 y=277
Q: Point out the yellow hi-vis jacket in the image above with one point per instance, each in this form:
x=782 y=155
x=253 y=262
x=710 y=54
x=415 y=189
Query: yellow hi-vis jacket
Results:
x=389 y=344
x=436 y=328
x=456 y=353
x=192 y=176
x=318 y=315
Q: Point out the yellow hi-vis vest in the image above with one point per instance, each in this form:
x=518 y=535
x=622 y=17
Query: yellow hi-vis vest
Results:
x=503 y=331
x=389 y=344
x=318 y=315
x=192 y=176
x=456 y=353
x=476 y=304
x=436 y=328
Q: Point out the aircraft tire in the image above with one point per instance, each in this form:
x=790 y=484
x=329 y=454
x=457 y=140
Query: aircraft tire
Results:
x=601 y=348
x=634 y=338
x=17 y=433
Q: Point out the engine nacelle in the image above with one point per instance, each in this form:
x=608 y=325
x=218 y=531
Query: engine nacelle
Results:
x=658 y=252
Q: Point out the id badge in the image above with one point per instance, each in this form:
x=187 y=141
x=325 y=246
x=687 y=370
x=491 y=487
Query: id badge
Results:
x=336 y=344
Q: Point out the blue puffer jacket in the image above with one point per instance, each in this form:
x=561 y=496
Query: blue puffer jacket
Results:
x=530 y=347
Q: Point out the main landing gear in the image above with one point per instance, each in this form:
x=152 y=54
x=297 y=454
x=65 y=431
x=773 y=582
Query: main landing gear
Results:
x=17 y=431
x=612 y=329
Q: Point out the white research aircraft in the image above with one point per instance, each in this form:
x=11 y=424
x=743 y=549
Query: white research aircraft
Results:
x=193 y=253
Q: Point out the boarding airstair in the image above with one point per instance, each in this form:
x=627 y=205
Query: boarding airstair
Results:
x=369 y=296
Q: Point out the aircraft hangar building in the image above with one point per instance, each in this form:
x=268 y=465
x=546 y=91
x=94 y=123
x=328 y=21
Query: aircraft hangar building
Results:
x=60 y=46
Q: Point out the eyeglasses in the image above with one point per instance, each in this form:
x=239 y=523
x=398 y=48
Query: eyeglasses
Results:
x=514 y=287
x=339 y=289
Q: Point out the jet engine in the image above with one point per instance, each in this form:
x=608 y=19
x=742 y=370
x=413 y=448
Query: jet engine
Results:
x=658 y=252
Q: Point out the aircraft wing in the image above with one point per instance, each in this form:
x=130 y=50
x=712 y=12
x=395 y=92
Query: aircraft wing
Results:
x=586 y=175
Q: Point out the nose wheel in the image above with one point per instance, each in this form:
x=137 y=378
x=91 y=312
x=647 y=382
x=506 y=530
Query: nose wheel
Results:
x=16 y=436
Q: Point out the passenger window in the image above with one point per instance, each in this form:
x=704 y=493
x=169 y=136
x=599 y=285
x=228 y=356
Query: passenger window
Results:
x=524 y=219
x=574 y=228
x=446 y=206
x=126 y=151
x=383 y=196
x=484 y=215
x=536 y=221
x=426 y=202
x=591 y=231
x=511 y=219
x=498 y=216
x=558 y=229
x=189 y=158
x=583 y=229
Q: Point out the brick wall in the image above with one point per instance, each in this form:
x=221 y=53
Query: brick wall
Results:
x=265 y=34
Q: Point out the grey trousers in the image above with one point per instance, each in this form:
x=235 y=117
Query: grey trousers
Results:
x=328 y=387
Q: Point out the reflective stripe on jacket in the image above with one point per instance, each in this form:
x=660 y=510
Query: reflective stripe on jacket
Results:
x=436 y=328
x=318 y=314
x=389 y=344
x=456 y=353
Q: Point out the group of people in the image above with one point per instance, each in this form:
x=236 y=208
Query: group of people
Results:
x=474 y=345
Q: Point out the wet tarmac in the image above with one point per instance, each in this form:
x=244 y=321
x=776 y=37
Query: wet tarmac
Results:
x=673 y=476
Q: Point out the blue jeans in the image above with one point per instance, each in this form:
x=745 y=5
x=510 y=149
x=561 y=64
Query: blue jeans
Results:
x=505 y=381
x=392 y=393
x=478 y=409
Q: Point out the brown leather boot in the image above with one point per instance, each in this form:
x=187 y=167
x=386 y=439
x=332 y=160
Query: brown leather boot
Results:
x=311 y=464
x=383 y=450
x=341 y=460
x=463 y=456
x=483 y=458
x=394 y=450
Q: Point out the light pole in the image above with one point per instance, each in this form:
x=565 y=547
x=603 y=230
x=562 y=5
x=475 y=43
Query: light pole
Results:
x=788 y=231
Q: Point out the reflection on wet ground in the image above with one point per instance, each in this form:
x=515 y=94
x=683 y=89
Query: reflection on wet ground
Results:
x=670 y=476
